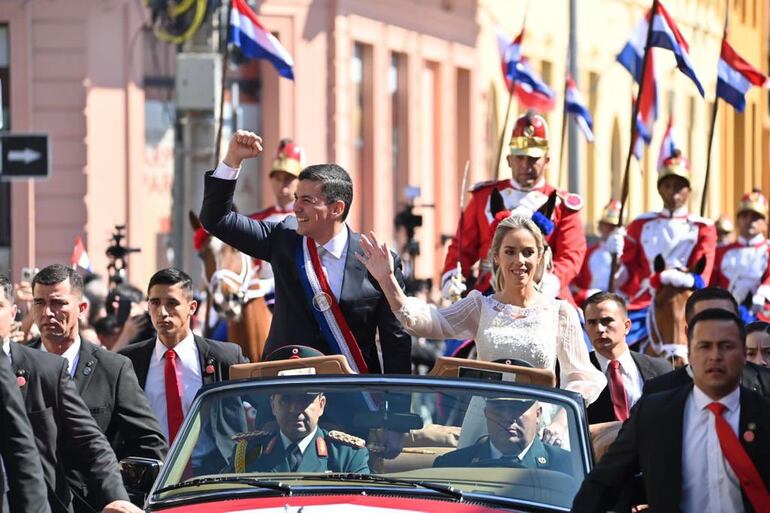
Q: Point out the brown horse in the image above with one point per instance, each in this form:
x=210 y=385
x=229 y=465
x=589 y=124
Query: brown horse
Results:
x=665 y=319
x=233 y=291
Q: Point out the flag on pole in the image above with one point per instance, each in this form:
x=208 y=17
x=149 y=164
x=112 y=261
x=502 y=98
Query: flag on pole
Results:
x=648 y=109
x=632 y=54
x=735 y=77
x=665 y=34
x=79 y=256
x=255 y=41
x=574 y=104
x=531 y=91
x=668 y=147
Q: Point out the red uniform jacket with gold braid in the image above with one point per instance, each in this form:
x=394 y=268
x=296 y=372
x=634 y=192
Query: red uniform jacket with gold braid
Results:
x=742 y=267
x=681 y=239
x=567 y=240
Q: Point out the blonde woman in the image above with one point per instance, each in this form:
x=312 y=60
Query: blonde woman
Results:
x=515 y=322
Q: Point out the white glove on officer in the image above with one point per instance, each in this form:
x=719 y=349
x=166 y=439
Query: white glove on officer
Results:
x=615 y=241
x=550 y=286
x=453 y=285
x=759 y=299
x=677 y=278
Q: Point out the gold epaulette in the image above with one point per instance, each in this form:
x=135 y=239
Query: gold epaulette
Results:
x=346 y=439
x=248 y=434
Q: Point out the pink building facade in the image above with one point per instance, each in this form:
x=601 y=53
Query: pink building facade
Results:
x=389 y=90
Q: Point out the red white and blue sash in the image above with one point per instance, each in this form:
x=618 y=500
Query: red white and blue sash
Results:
x=324 y=305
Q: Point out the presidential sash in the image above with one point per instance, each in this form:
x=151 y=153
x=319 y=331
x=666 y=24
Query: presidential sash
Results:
x=324 y=305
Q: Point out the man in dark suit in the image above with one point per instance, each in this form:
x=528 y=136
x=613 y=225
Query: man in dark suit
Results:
x=313 y=259
x=701 y=448
x=69 y=442
x=607 y=325
x=105 y=381
x=513 y=441
x=754 y=376
x=18 y=452
x=173 y=366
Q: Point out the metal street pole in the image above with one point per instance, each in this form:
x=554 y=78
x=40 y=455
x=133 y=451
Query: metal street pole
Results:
x=575 y=179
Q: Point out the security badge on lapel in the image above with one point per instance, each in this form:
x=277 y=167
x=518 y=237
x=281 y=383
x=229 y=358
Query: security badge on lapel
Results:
x=89 y=368
x=210 y=366
x=748 y=435
x=21 y=377
x=322 y=301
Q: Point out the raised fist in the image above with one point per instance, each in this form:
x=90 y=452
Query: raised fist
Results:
x=243 y=145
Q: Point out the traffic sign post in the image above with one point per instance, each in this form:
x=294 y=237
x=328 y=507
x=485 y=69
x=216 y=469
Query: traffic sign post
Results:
x=24 y=156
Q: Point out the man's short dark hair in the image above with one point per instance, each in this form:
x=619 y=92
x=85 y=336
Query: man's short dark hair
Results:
x=335 y=183
x=601 y=297
x=6 y=285
x=57 y=273
x=172 y=276
x=716 y=314
x=757 y=326
x=707 y=293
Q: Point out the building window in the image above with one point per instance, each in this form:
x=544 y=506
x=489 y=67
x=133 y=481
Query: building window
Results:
x=5 y=187
x=361 y=79
x=398 y=127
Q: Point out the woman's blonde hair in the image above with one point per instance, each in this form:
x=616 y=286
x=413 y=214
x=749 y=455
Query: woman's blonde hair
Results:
x=516 y=222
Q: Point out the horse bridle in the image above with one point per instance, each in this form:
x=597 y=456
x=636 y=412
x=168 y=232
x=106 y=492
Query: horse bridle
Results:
x=661 y=348
x=241 y=282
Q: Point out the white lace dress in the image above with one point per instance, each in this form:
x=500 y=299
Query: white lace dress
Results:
x=540 y=335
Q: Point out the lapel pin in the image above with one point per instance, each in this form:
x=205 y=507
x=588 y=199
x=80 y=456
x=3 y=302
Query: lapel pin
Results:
x=541 y=460
x=21 y=377
x=87 y=371
x=748 y=435
x=209 y=370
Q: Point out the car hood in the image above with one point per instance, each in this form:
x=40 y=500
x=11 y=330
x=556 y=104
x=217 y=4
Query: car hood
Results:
x=333 y=504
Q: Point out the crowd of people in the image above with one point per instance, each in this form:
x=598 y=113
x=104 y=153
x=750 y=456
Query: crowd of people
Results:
x=105 y=374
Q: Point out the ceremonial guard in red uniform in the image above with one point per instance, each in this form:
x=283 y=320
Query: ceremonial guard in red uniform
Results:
x=741 y=267
x=284 y=171
x=527 y=189
x=594 y=276
x=678 y=236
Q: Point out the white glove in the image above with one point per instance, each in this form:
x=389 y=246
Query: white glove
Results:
x=759 y=299
x=454 y=285
x=550 y=286
x=615 y=241
x=266 y=286
x=677 y=278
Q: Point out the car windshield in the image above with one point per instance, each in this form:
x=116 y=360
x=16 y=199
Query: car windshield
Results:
x=500 y=441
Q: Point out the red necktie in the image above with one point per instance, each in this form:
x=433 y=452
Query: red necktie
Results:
x=618 y=392
x=173 y=397
x=739 y=461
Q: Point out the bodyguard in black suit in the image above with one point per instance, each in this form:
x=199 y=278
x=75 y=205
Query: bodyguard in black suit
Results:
x=685 y=441
x=21 y=461
x=754 y=377
x=324 y=195
x=607 y=325
x=192 y=360
x=69 y=443
x=105 y=380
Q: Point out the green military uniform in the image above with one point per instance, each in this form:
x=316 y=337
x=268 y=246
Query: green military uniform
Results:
x=333 y=451
x=539 y=456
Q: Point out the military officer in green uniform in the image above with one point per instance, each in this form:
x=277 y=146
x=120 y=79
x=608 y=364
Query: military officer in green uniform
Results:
x=513 y=441
x=300 y=445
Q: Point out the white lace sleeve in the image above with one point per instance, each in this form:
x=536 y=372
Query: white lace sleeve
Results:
x=460 y=320
x=576 y=371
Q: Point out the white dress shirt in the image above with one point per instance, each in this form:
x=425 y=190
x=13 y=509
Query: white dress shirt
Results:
x=333 y=256
x=188 y=375
x=629 y=373
x=709 y=484
x=302 y=444
x=336 y=249
x=72 y=354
